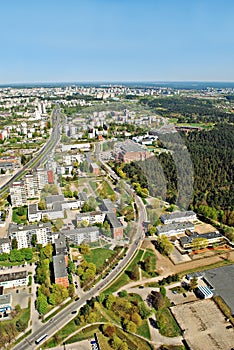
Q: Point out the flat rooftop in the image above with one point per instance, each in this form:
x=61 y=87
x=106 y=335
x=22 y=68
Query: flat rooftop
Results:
x=222 y=280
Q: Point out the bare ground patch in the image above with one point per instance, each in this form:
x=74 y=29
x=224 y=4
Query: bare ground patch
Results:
x=204 y=326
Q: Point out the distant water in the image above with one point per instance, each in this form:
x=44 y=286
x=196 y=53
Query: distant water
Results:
x=187 y=85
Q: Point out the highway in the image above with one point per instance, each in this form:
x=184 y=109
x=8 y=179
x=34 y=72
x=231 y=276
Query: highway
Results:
x=40 y=156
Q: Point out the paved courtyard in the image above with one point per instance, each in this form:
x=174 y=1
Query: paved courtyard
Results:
x=204 y=326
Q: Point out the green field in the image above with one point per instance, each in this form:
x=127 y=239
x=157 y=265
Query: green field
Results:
x=19 y=219
x=124 y=278
x=98 y=256
x=167 y=324
x=150 y=253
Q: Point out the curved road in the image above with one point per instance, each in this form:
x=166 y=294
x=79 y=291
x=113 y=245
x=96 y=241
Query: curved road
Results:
x=66 y=315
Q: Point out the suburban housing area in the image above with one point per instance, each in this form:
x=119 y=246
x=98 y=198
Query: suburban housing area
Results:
x=92 y=251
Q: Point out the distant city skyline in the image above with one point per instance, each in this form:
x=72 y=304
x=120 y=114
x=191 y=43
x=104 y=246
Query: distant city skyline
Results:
x=116 y=41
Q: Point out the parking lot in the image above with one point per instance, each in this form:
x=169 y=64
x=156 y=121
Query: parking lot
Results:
x=204 y=326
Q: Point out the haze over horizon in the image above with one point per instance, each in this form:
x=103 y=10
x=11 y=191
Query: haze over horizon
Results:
x=117 y=41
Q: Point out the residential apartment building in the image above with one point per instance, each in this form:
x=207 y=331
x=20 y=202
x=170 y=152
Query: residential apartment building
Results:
x=92 y=217
x=83 y=234
x=116 y=226
x=107 y=205
x=23 y=234
x=17 y=194
x=30 y=186
x=5 y=245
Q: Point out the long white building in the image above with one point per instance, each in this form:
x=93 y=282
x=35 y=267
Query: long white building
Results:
x=178 y=216
x=23 y=234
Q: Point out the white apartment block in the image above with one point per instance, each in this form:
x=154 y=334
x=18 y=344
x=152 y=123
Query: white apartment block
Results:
x=31 y=187
x=5 y=245
x=17 y=193
x=91 y=217
x=23 y=234
x=80 y=235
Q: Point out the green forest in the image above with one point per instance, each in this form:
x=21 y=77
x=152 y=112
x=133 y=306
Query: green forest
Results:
x=212 y=156
x=189 y=109
x=212 y=160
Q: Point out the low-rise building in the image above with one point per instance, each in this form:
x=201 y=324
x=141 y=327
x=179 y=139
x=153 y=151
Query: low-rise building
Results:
x=56 y=212
x=92 y=217
x=34 y=214
x=204 y=292
x=94 y=169
x=5 y=304
x=78 y=146
x=14 y=279
x=9 y=163
x=116 y=226
x=50 y=200
x=175 y=228
x=131 y=151
x=212 y=238
x=178 y=216
x=60 y=270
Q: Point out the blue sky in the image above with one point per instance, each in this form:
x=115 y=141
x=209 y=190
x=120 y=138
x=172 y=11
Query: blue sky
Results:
x=116 y=40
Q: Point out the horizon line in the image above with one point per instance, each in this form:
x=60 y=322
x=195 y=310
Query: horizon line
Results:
x=117 y=81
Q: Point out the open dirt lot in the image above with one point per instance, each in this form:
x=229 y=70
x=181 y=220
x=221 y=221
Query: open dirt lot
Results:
x=204 y=326
x=204 y=228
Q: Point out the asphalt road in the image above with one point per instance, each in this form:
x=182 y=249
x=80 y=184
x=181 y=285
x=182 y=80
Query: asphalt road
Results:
x=41 y=156
x=66 y=315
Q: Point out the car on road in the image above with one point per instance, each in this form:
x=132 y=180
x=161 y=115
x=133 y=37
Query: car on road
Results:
x=153 y=322
x=74 y=312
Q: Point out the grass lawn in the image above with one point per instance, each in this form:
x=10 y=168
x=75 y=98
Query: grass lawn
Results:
x=124 y=278
x=25 y=313
x=87 y=333
x=134 y=343
x=106 y=188
x=59 y=336
x=19 y=219
x=143 y=330
x=93 y=185
x=136 y=260
x=149 y=252
x=98 y=256
x=167 y=324
x=117 y=284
